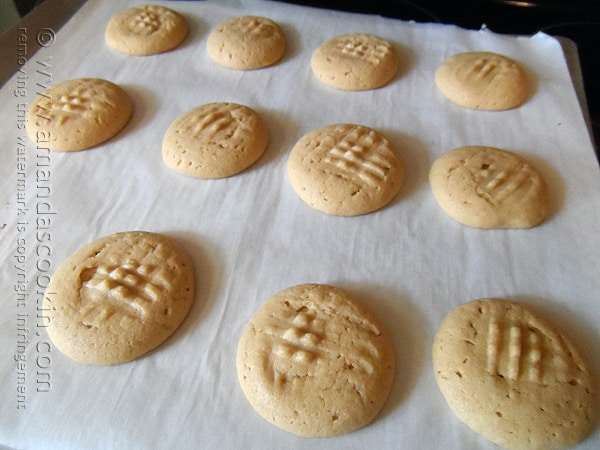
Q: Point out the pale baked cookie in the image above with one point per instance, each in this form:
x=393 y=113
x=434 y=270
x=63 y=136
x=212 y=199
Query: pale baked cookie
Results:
x=345 y=170
x=215 y=140
x=512 y=377
x=313 y=362
x=246 y=43
x=487 y=187
x=146 y=30
x=119 y=297
x=78 y=114
x=355 y=62
x=483 y=80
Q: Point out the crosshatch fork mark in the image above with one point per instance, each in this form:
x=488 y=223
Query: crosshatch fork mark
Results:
x=303 y=339
x=82 y=100
x=494 y=185
x=210 y=124
x=129 y=290
x=73 y=104
x=361 y=49
x=484 y=68
x=488 y=69
x=518 y=351
x=354 y=156
x=299 y=339
x=146 y=21
x=256 y=28
x=205 y=125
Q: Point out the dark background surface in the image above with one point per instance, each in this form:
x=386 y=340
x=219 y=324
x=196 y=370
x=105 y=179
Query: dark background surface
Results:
x=578 y=20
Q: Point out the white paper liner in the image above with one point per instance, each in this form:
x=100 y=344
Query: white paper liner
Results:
x=250 y=236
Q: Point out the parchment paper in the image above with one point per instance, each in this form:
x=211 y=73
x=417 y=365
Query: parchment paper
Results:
x=250 y=236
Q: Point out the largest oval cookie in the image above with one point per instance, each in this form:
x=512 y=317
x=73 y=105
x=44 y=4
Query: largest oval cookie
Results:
x=119 y=297
x=512 y=377
x=315 y=363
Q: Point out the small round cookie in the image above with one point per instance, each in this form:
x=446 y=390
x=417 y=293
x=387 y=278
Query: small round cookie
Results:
x=78 y=114
x=314 y=362
x=487 y=187
x=355 y=62
x=512 y=378
x=119 y=297
x=146 y=30
x=215 y=140
x=345 y=170
x=483 y=80
x=246 y=43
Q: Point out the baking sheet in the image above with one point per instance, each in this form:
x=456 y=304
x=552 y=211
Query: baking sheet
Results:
x=250 y=236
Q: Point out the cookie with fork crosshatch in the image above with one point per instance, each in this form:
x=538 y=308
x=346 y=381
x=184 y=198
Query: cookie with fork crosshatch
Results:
x=314 y=362
x=345 y=170
x=487 y=187
x=355 y=62
x=119 y=297
x=215 y=140
x=512 y=377
x=146 y=30
x=483 y=80
x=78 y=114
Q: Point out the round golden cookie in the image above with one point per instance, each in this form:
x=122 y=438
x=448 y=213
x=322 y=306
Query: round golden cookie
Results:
x=355 y=62
x=511 y=377
x=483 y=80
x=119 y=297
x=215 y=140
x=313 y=362
x=345 y=170
x=78 y=114
x=146 y=30
x=246 y=43
x=487 y=187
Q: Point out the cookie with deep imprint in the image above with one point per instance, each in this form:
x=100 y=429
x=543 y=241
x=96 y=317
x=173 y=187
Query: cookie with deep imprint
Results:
x=314 y=362
x=483 y=80
x=355 y=62
x=119 y=297
x=512 y=377
x=146 y=30
x=215 y=140
x=78 y=114
x=345 y=170
x=488 y=187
